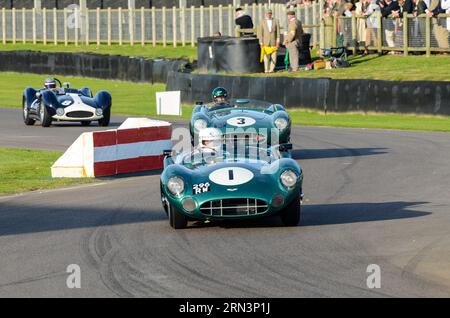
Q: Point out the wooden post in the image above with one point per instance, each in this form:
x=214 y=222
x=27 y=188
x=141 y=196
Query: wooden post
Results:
x=55 y=27
x=142 y=26
x=322 y=36
x=24 y=26
x=174 y=26
x=405 y=34
x=164 y=26
x=354 y=35
x=4 y=25
x=77 y=25
x=314 y=32
x=13 y=12
x=230 y=20
x=109 y=26
x=98 y=26
x=333 y=37
x=261 y=11
x=131 y=25
x=183 y=25
x=66 y=36
x=211 y=20
x=86 y=26
x=254 y=16
x=192 y=26
x=119 y=22
x=34 y=24
x=380 y=35
x=153 y=26
x=44 y=26
x=202 y=22
x=221 y=19
x=428 y=36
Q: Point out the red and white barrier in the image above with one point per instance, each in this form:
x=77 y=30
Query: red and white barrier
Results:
x=137 y=145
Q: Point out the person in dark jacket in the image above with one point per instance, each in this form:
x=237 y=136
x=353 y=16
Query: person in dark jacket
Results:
x=387 y=7
x=244 y=21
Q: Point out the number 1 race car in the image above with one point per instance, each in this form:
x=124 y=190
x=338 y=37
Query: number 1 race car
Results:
x=256 y=121
x=65 y=104
x=226 y=185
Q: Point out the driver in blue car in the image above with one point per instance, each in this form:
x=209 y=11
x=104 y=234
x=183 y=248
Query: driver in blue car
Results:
x=50 y=84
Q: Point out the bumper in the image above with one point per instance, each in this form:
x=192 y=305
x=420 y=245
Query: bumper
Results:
x=78 y=113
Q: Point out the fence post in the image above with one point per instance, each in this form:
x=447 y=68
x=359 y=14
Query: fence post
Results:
x=109 y=26
x=98 y=26
x=261 y=13
x=86 y=26
x=428 y=36
x=174 y=26
x=230 y=20
x=44 y=25
x=164 y=26
x=119 y=22
x=142 y=26
x=211 y=20
x=66 y=36
x=314 y=21
x=380 y=34
x=131 y=25
x=405 y=34
x=202 y=22
x=4 y=25
x=153 y=26
x=77 y=25
x=322 y=36
x=13 y=12
x=192 y=26
x=254 y=16
x=333 y=35
x=55 y=27
x=24 y=26
x=220 y=19
x=354 y=35
x=183 y=25
x=34 y=24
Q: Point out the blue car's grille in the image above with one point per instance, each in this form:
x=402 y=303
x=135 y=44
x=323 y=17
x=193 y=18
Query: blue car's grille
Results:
x=79 y=114
x=229 y=207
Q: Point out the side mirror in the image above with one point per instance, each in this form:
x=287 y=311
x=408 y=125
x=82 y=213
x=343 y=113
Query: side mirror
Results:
x=66 y=84
x=167 y=153
x=285 y=147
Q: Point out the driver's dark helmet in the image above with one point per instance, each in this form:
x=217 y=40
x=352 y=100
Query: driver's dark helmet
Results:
x=219 y=92
x=50 y=83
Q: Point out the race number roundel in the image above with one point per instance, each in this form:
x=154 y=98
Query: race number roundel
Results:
x=241 y=121
x=231 y=176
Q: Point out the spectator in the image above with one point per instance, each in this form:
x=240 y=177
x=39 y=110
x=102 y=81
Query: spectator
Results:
x=445 y=4
x=372 y=12
x=269 y=40
x=293 y=38
x=244 y=21
x=387 y=7
x=432 y=8
x=360 y=9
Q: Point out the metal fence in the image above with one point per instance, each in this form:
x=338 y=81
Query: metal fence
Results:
x=407 y=34
x=174 y=26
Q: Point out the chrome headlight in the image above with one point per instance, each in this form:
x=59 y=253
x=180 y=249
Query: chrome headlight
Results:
x=98 y=111
x=200 y=124
x=60 y=111
x=175 y=185
x=281 y=123
x=288 y=178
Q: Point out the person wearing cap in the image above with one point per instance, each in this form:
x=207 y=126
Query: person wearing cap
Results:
x=269 y=40
x=243 y=21
x=293 y=40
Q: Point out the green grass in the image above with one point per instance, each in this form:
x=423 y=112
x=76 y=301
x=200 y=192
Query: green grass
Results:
x=26 y=170
x=139 y=99
x=159 y=51
x=385 y=67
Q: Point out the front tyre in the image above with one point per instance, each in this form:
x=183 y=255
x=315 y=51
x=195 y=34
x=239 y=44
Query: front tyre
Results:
x=290 y=216
x=46 y=120
x=177 y=220
x=26 y=117
x=104 y=122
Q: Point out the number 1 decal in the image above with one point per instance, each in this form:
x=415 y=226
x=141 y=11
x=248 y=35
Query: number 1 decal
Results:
x=230 y=175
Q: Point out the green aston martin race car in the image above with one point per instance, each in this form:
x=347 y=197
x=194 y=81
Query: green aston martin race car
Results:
x=231 y=184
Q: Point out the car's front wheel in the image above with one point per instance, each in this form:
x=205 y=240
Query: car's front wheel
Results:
x=177 y=219
x=104 y=122
x=46 y=120
x=290 y=216
x=26 y=117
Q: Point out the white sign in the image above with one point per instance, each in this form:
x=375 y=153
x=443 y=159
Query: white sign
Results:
x=231 y=176
x=168 y=103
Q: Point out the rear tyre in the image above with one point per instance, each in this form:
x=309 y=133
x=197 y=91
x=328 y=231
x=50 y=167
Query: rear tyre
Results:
x=26 y=117
x=85 y=123
x=104 y=122
x=290 y=216
x=46 y=120
x=177 y=220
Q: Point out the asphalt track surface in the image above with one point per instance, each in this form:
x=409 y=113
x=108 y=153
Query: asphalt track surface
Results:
x=372 y=197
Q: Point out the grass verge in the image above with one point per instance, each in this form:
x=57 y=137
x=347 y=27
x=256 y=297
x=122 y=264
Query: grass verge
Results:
x=27 y=170
x=149 y=51
x=139 y=99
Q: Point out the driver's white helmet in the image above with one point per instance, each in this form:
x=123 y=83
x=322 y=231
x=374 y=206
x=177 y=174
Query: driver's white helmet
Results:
x=210 y=139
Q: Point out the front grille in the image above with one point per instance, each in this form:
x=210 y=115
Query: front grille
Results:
x=80 y=114
x=227 y=207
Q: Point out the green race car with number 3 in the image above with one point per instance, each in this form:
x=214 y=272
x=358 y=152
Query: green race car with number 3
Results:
x=226 y=185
